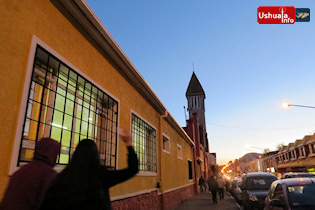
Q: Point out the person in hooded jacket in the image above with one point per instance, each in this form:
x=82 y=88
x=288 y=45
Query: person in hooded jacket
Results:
x=213 y=187
x=29 y=184
x=84 y=183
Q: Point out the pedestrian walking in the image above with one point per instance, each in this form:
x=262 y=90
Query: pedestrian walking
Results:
x=29 y=184
x=213 y=187
x=221 y=188
x=84 y=184
x=202 y=183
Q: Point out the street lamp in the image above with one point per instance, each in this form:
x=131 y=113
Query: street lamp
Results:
x=286 y=105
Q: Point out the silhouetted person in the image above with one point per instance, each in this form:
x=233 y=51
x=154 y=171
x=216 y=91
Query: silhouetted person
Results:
x=27 y=186
x=221 y=187
x=213 y=187
x=84 y=183
x=201 y=183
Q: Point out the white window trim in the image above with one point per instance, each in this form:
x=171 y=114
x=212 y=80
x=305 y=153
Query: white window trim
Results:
x=302 y=152
x=181 y=149
x=312 y=149
x=286 y=157
x=280 y=158
x=24 y=99
x=147 y=173
x=142 y=118
x=169 y=144
x=293 y=154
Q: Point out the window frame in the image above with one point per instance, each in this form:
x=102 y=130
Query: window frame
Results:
x=192 y=170
x=286 y=157
x=302 y=152
x=179 y=156
x=14 y=165
x=281 y=158
x=312 y=149
x=169 y=144
x=293 y=155
x=142 y=172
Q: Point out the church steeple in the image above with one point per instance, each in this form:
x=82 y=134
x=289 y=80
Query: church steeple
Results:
x=194 y=87
x=195 y=96
x=196 y=106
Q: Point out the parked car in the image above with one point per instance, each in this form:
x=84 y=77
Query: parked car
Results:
x=297 y=174
x=236 y=190
x=291 y=194
x=255 y=187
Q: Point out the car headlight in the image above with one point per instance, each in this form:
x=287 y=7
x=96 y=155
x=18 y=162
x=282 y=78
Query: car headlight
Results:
x=253 y=198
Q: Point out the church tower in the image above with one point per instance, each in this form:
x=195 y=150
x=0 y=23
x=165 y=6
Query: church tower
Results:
x=196 y=105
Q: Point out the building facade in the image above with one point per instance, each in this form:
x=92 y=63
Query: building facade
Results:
x=65 y=77
x=196 y=128
x=298 y=156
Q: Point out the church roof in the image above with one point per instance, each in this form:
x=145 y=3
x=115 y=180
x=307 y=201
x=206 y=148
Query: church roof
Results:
x=194 y=87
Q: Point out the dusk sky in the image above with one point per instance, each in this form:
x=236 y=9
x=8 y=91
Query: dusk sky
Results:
x=247 y=70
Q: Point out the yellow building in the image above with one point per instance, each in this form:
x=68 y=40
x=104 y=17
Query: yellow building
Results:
x=64 y=76
x=298 y=156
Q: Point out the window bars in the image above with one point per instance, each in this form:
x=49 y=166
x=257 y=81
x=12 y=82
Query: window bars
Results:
x=67 y=107
x=144 y=142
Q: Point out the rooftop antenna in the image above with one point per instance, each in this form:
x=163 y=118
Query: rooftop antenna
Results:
x=193 y=66
x=185 y=113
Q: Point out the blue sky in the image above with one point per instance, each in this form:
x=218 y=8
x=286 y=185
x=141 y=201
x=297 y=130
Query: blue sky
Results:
x=247 y=70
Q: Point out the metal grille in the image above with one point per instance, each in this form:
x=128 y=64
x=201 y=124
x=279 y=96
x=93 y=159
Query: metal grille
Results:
x=67 y=107
x=144 y=142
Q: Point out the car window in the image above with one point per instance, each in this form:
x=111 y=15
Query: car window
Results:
x=302 y=196
x=306 y=175
x=259 y=183
x=272 y=190
x=279 y=193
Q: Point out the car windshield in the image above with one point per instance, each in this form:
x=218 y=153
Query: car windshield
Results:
x=302 y=195
x=302 y=175
x=259 y=183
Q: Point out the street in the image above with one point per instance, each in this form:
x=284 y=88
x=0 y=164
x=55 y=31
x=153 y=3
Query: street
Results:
x=204 y=201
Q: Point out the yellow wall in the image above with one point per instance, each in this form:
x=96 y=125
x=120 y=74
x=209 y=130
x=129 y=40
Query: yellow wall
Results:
x=22 y=20
x=175 y=170
x=202 y=165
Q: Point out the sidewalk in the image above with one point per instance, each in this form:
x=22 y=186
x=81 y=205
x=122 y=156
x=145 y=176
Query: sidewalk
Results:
x=204 y=201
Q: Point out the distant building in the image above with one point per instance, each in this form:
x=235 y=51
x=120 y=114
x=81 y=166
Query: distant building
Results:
x=196 y=127
x=298 y=156
x=244 y=162
x=256 y=165
x=269 y=161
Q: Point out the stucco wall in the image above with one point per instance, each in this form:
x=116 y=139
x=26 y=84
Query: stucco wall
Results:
x=175 y=170
x=24 y=19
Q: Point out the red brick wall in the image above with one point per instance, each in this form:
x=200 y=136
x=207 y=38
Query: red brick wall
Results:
x=175 y=197
x=146 y=201
x=153 y=201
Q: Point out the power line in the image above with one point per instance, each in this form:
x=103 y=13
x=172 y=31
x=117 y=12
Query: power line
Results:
x=235 y=127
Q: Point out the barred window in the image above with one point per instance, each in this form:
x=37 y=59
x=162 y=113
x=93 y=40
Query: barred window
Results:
x=144 y=142
x=67 y=107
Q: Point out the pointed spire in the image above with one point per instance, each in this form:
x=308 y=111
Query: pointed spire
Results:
x=194 y=87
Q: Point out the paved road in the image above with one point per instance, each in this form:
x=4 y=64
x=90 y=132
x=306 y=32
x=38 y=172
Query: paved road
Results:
x=204 y=201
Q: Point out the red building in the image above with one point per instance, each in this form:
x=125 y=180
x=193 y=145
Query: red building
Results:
x=196 y=128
